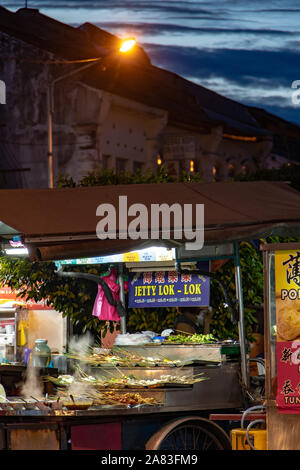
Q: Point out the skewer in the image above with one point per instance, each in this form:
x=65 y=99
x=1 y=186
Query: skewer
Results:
x=35 y=398
x=6 y=399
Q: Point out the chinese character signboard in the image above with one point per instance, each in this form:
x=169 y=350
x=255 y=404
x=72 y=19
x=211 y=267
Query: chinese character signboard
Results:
x=168 y=289
x=287 y=284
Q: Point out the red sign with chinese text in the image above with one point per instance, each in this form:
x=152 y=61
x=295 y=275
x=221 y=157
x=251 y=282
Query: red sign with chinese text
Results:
x=7 y=294
x=288 y=377
x=287 y=287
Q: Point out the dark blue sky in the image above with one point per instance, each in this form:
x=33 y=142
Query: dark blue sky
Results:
x=246 y=50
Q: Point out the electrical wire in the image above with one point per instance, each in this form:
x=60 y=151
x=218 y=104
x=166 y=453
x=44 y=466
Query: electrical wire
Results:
x=250 y=425
x=252 y=408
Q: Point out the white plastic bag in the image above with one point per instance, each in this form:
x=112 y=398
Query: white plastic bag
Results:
x=167 y=332
x=135 y=339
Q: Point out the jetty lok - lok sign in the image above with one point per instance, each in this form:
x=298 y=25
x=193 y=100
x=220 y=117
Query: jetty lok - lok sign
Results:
x=168 y=289
x=287 y=284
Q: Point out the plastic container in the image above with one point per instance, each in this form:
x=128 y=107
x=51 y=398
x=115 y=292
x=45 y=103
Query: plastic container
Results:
x=60 y=363
x=41 y=353
x=239 y=442
x=9 y=329
x=158 y=339
x=27 y=352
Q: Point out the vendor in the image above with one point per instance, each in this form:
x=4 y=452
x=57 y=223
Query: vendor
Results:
x=189 y=320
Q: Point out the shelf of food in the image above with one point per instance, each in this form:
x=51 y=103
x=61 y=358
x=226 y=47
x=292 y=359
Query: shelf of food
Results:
x=166 y=354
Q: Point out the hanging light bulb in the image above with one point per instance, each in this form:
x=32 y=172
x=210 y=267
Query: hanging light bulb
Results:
x=127 y=45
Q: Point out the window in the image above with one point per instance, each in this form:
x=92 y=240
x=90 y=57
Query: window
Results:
x=231 y=170
x=216 y=171
x=106 y=161
x=121 y=164
x=244 y=170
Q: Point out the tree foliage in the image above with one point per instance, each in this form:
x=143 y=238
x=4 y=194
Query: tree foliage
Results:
x=74 y=298
x=104 y=177
x=289 y=173
x=252 y=283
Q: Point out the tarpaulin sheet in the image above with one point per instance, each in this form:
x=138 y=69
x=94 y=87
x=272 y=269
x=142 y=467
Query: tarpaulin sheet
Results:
x=61 y=223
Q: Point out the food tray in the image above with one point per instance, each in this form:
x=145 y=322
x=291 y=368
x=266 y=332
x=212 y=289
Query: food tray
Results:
x=204 y=353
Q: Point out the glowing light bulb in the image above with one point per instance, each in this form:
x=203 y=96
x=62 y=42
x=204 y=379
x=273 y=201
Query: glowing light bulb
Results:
x=127 y=45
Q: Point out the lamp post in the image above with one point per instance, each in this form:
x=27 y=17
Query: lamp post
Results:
x=125 y=47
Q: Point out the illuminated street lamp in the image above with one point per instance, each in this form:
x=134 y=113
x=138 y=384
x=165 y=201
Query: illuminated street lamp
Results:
x=126 y=46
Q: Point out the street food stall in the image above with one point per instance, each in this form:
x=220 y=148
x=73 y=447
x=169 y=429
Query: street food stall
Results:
x=163 y=390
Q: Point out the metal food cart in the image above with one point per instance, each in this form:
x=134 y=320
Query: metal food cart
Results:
x=181 y=419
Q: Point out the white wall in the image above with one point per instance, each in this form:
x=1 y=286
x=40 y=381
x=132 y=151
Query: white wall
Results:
x=49 y=325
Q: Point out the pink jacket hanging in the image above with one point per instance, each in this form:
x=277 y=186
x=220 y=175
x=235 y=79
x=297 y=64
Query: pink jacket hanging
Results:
x=102 y=308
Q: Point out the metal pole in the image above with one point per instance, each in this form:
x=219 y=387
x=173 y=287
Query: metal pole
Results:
x=50 y=136
x=241 y=322
x=122 y=300
x=267 y=324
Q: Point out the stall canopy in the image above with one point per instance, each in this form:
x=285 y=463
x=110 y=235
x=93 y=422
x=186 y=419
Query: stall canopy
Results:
x=61 y=223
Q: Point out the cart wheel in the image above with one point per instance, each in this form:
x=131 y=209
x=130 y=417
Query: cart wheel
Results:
x=191 y=433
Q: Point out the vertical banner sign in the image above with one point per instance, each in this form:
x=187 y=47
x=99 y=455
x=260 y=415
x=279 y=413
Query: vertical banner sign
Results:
x=168 y=289
x=287 y=284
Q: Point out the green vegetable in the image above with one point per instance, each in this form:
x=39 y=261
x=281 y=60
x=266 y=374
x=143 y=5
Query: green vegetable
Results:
x=194 y=339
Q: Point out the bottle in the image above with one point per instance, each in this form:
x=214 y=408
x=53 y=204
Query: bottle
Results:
x=27 y=352
x=41 y=353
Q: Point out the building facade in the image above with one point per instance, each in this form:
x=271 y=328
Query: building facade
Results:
x=122 y=114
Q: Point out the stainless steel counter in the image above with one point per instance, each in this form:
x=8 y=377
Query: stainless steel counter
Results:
x=205 y=353
x=220 y=390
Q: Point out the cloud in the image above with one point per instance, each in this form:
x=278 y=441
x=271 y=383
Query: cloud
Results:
x=212 y=37
x=254 y=78
x=178 y=7
x=241 y=66
x=166 y=28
